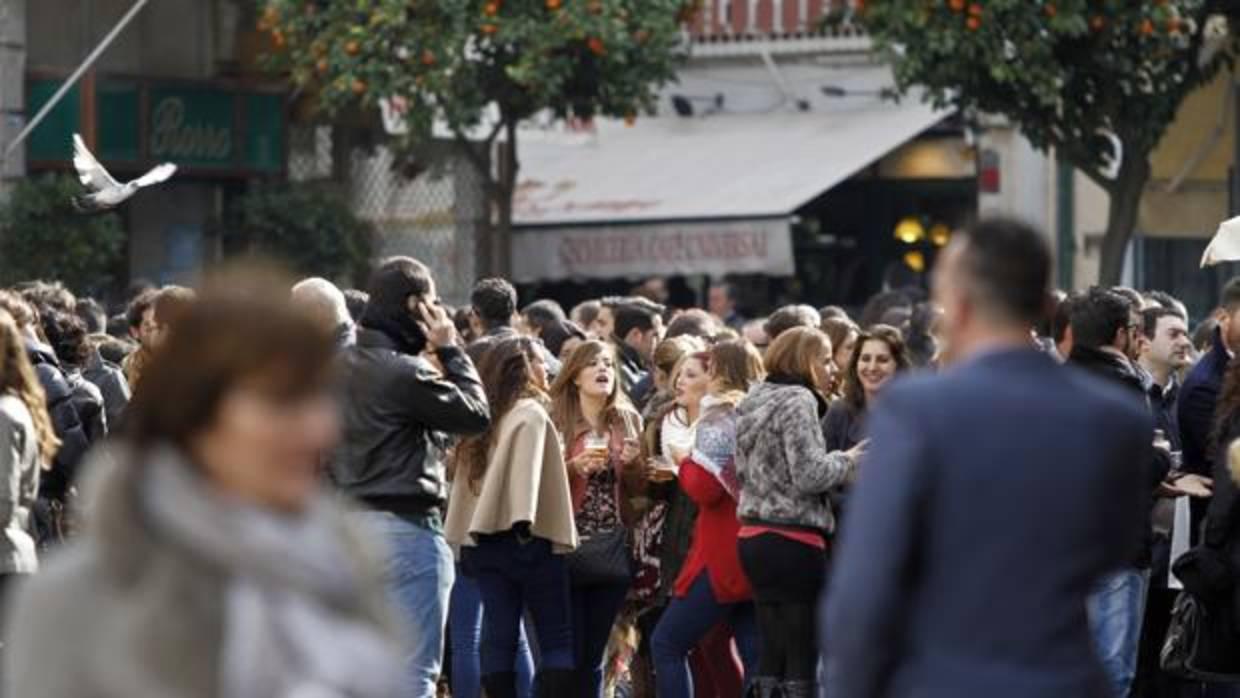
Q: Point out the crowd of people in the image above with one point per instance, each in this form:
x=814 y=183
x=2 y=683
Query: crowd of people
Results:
x=262 y=488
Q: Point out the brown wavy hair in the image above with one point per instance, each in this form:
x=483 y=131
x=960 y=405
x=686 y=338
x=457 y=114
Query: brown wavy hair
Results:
x=736 y=366
x=507 y=375
x=654 y=426
x=18 y=378
x=854 y=394
x=566 y=402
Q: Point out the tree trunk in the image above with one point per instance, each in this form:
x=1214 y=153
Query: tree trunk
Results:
x=501 y=232
x=1125 y=207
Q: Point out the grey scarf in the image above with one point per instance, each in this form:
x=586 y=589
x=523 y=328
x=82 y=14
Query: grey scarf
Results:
x=287 y=631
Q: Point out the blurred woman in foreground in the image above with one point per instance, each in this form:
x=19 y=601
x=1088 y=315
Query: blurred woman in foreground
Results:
x=212 y=565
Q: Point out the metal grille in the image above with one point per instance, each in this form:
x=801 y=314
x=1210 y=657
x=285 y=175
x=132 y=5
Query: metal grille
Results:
x=434 y=217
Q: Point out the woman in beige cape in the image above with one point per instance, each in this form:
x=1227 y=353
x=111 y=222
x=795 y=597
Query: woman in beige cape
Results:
x=511 y=513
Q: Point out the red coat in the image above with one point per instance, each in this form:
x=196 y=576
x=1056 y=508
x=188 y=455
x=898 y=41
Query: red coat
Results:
x=714 y=538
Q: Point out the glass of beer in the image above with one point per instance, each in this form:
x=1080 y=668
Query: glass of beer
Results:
x=662 y=469
x=598 y=445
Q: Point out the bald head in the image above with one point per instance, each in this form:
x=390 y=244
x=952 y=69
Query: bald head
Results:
x=321 y=298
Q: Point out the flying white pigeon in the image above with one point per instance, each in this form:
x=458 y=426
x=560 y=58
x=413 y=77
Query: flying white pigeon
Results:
x=1225 y=247
x=104 y=191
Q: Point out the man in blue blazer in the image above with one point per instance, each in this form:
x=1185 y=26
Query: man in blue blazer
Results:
x=994 y=496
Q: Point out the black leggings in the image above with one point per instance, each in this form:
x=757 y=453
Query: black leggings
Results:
x=787 y=577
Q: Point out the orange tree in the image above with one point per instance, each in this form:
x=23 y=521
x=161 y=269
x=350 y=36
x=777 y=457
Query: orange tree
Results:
x=1078 y=76
x=476 y=68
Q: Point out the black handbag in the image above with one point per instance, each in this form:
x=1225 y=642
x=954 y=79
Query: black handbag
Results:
x=601 y=559
x=1200 y=643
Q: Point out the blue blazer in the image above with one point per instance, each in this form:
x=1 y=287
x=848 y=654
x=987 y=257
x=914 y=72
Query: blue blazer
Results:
x=1198 y=397
x=993 y=497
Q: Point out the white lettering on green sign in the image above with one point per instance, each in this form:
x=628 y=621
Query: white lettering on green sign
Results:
x=172 y=138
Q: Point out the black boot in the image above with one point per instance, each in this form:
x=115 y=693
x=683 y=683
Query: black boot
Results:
x=500 y=685
x=556 y=683
x=798 y=689
x=763 y=687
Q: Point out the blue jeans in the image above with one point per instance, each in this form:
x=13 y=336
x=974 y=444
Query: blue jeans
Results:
x=515 y=574
x=465 y=633
x=685 y=622
x=1116 y=607
x=595 y=609
x=419 y=573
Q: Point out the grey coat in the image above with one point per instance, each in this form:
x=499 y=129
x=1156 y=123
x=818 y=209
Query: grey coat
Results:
x=782 y=462
x=20 y=465
x=206 y=604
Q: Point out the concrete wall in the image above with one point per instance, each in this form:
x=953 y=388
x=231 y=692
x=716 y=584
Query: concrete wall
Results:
x=12 y=86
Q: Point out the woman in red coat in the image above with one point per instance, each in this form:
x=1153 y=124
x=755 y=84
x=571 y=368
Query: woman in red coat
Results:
x=711 y=586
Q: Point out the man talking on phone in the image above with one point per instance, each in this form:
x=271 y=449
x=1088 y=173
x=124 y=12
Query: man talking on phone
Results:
x=400 y=412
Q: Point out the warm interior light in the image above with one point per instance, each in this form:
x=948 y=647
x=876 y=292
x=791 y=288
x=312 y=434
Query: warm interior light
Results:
x=910 y=231
x=915 y=260
x=940 y=234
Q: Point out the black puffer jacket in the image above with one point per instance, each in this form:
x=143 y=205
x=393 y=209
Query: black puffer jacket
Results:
x=399 y=416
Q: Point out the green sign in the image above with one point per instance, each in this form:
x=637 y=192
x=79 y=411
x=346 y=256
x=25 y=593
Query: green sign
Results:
x=201 y=128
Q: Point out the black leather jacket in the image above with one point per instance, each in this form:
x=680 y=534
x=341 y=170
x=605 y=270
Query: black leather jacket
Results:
x=399 y=415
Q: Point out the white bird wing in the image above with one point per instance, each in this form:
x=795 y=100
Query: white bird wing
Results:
x=1225 y=247
x=91 y=173
x=160 y=173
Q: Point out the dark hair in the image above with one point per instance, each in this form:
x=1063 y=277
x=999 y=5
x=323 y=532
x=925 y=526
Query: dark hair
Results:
x=543 y=314
x=881 y=304
x=1098 y=316
x=244 y=328
x=461 y=318
x=48 y=295
x=1168 y=301
x=633 y=316
x=391 y=286
x=1135 y=300
x=355 y=301
x=854 y=394
x=1151 y=316
x=837 y=330
x=113 y=349
x=138 y=307
x=584 y=313
x=788 y=317
x=833 y=312
x=92 y=314
x=494 y=301
x=693 y=322
x=1063 y=317
x=1008 y=266
x=171 y=303
x=728 y=288
x=921 y=342
x=1203 y=334
x=66 y=334
x=554 y=336
x=507 y=376
x=1231 y=296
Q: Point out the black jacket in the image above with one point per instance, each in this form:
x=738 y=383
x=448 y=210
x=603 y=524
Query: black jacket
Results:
x=1198 y=397
x=399 y=415
x=66 y=422
x=110 y=380
x=1119 y=371
x=635 y=380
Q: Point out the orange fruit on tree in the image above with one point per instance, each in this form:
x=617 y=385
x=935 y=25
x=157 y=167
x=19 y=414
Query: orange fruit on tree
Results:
x=1174 y=24
x=974 y=24
x=359 y=86
x=490 y=9
x=277 y=37
x=322 y=65
x=975 y=10
x=352 y=48
x=428 y=57
x=489 y=29
x=553 y=5
x=596 y=46
x=1097 y=23
x=956 y=5
x=1147 y=27
x=1050 y=10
